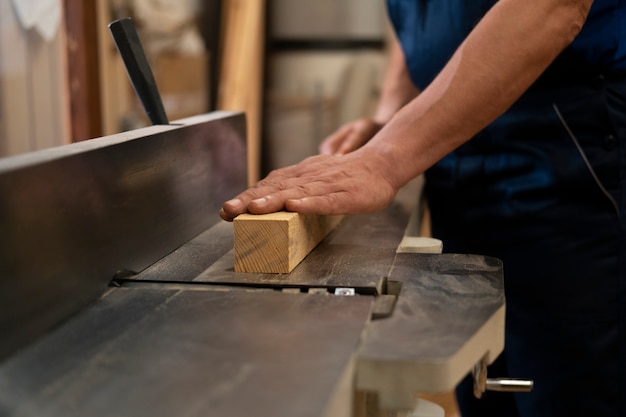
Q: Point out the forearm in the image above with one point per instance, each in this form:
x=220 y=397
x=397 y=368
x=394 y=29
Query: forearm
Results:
x=506 y=52
x=397 y=89
x=513 y=44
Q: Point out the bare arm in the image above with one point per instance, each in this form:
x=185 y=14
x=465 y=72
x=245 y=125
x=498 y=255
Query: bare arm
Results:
x=506 y=52
x=397 y=90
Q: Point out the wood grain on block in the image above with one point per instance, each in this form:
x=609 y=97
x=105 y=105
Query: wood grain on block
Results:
x=277 y=242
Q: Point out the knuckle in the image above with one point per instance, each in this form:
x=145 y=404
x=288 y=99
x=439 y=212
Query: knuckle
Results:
x=269 y=184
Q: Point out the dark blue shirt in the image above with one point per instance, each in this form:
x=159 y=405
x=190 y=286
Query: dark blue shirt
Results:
x=431 y=30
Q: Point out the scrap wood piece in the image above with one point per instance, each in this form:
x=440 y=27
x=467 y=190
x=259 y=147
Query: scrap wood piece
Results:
x=277 y=242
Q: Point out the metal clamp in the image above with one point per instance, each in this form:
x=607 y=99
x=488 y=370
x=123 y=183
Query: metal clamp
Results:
x=482 y=383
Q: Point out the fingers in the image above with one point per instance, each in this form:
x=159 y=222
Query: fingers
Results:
x=268 y=204
x=324 y=204
x=342 y=202
x=246 y=202
x=320 y=184
x=270 y=194
x=350 y=137
x=352 y=142
x=240 y=204
x=292 y=200
x=231 y=209
x=331 y=144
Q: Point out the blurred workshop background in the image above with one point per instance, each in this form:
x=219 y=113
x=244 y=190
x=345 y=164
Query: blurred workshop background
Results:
x=298 y=68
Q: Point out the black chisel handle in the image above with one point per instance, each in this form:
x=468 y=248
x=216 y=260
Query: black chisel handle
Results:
x=138 y=69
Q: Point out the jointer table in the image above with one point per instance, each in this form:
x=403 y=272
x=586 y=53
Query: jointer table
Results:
x=118 y=295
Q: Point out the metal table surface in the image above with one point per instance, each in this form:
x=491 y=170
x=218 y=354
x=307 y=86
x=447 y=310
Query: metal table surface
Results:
x=359 y=253
x=155 y=352
x=118 y=294
x=164 y=343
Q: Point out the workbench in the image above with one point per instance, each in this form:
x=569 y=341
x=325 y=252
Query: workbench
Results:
x=118 y=295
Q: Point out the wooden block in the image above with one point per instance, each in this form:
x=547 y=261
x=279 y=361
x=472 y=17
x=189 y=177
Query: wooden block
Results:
x=277 y=242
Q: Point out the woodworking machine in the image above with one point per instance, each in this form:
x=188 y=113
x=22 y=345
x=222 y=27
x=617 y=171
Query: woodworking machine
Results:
x=118 y=295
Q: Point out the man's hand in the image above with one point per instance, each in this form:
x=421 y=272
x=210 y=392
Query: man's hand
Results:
x=350 y=137
x=355 y=183
x=484 y=77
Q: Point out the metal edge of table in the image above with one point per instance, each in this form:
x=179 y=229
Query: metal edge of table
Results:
x=448 y=317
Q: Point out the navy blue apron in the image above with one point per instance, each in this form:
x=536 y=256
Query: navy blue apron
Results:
x=551 y=207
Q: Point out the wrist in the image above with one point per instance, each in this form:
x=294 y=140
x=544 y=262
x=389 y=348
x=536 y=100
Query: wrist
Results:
x=385 y=162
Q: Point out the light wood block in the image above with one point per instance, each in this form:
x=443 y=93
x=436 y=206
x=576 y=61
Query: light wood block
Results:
x=277 y=242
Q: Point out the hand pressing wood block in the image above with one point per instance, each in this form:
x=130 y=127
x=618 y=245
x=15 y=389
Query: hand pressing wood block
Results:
x=277 y=242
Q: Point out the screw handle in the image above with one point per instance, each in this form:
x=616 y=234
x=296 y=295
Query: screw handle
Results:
x=482 y=383
x=509 y=385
